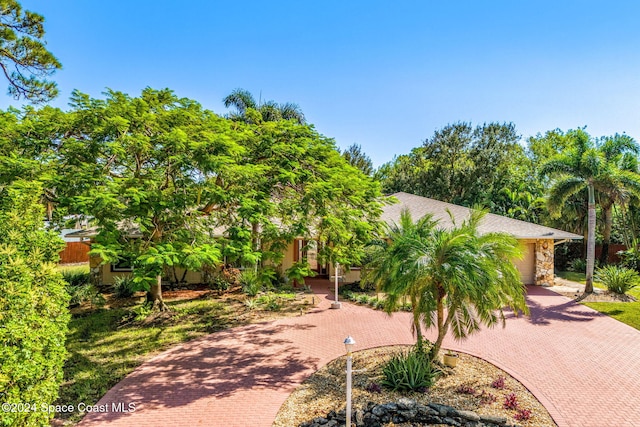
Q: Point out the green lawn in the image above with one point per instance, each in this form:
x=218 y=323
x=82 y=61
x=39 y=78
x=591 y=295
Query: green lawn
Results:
x=626 y=312
x=107 y=344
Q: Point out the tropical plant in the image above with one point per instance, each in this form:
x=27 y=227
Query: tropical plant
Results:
x=409 y=371
x=587 y=164
x=250 y=282
x=84 y=293
x=468 y=276
x=617 y=279
x=298 y=271
x=245 y=104
x=124 y=286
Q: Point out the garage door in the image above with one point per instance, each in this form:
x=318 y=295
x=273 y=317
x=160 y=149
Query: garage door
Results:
x=527 y=265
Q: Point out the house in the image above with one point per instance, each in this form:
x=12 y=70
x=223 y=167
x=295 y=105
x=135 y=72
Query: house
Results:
x=536 y=268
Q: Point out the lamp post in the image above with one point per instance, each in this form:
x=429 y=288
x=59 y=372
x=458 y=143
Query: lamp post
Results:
x=336 y=304
x=349 y=343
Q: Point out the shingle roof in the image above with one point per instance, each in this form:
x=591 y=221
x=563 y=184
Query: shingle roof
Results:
x=420 y=206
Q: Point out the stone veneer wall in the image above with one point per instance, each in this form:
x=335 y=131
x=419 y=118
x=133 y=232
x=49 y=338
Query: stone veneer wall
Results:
x=544 y=262
x=95 y=270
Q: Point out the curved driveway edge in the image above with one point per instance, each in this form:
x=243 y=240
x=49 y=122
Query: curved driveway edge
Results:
x=583 y=366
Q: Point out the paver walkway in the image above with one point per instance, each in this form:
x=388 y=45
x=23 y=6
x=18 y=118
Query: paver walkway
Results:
x=583 y=366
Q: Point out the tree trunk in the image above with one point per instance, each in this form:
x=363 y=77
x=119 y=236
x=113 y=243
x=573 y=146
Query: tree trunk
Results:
x=591 y=240
x=441 y=329
x=155 y=295
x=606 y=234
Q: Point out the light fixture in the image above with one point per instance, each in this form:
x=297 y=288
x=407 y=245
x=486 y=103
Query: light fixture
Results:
x=349 y=343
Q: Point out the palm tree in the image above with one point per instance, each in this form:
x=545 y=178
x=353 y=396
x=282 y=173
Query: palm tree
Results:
x=589 y=165
x=621 y=151
x=456 y=279
x=243 y=101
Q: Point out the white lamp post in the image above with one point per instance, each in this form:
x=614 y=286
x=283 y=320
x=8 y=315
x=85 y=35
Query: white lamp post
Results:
x=349 y=343
x=336 y=304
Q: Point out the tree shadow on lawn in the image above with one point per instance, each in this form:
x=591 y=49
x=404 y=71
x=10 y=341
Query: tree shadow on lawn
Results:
x=252 y=357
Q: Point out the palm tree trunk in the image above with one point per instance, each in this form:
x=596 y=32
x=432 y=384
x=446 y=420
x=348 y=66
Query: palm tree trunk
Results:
x=606 y=234
x=591 y=240
x=441 y=329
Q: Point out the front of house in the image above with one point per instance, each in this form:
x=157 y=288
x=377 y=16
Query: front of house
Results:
x=536 y=267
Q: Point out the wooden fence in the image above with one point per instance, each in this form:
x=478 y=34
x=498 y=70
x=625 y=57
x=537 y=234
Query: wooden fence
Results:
x=75 y=252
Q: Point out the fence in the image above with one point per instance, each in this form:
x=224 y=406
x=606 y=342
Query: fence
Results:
x=75 y=252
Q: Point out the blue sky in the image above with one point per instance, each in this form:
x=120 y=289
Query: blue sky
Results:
x=384 y=75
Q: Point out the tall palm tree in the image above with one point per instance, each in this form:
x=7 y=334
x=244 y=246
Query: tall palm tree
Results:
x=456 y=279
x=243 y=101
x=589 y=165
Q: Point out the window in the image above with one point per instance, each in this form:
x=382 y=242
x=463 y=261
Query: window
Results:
x=123 y=264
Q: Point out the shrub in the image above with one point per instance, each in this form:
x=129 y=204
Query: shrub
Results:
x=411 y=371
x=511 y=401
x=231 y=276
x=579 y=265
x=498 y=383
x=250 y=283
x=631 y=257
x=466 y=389
x=124 y=286
x=85 y=293
x=374 y=388
x=617 y=279
x=219 y=284
x=487 y=398
x=362 y=299
x=76 y=278
x=33 y=307
x=522 y=415
x=251 y=304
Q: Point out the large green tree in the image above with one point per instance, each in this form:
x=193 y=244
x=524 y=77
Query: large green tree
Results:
x=456 y=279
x=463 y=165
x=291 y=182
x=33 y=307
x=141 y=168
x=24 y=60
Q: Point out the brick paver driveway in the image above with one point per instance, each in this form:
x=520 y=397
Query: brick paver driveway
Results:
x=583 y=366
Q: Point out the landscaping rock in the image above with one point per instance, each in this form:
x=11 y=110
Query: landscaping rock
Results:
x=467 y=415
x=406 y=403
x=407 y=411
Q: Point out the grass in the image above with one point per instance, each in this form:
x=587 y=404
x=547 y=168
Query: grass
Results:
x=625 y=312
x=107 y=344
x=73 y=268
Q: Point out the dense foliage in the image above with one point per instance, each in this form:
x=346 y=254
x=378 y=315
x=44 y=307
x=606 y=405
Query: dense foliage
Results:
x=172 y=187
x=467 y=166
x=33 y=309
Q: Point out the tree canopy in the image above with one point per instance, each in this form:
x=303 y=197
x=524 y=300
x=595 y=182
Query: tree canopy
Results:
x=24 y=59
x=169 y=184
x=463 y=165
